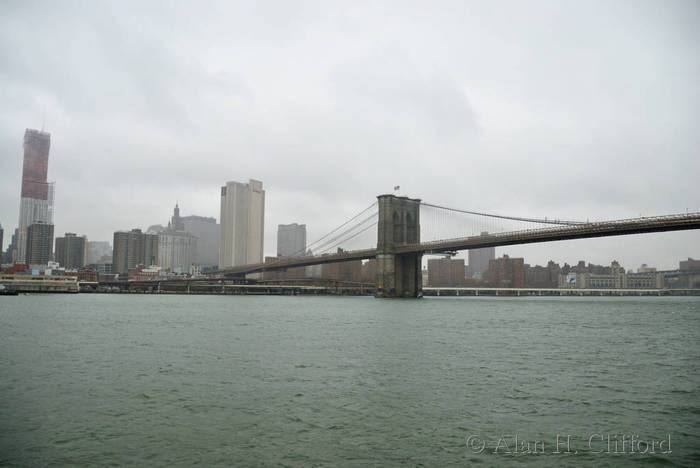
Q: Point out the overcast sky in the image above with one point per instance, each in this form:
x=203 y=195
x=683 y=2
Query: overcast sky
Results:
x=579 y=110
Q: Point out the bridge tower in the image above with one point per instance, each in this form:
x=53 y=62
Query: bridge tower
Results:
x=398 y=275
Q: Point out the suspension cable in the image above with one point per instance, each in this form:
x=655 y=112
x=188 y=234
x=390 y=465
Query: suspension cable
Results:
x=351 y=237
x=303 y=251
x=513 y=218
x=346 y=232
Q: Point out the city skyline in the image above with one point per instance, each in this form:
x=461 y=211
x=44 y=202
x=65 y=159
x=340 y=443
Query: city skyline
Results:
x=459 y=255
x=511 y=124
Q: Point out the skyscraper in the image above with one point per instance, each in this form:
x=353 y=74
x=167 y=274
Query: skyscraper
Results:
x=291 y=240
x=1 y=251
x=39 y=248
x=242 y=223
x=36 y=202
x=208 y=236
x=71 y=251
x=479 y=260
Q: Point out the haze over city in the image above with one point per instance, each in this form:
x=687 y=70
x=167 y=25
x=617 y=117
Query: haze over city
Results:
x=576 y=111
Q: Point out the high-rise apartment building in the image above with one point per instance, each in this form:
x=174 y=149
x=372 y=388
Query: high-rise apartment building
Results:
x=206 y=230
x=71 y=251
x=132 y=248
x=39 y=248
x=291 y=240
x=36 y=202
x=479 y=260
x=342 y=271
x=1 y=250
x=506 y=272
x=242 y=223
x=446 y=272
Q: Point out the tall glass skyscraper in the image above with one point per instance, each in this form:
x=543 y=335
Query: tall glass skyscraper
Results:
x=36 y=202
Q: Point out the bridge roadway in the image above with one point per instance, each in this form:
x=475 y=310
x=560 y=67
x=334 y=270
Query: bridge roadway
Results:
x=580 y=231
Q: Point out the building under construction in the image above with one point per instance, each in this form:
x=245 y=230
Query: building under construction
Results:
x=36 y=202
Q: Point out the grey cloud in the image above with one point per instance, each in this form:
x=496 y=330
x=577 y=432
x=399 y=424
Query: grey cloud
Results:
x=387 y=86
x=567 y=110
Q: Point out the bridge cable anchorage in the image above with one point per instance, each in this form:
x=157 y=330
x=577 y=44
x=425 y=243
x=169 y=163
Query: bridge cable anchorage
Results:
x=303 y=251
x=512 y=218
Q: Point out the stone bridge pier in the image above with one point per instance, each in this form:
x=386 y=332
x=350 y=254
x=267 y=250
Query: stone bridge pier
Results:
x=398 y=275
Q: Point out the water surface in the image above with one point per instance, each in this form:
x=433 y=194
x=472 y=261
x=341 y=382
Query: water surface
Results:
x=339 y=381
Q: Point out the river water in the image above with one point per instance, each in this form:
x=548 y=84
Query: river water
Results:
x=348 y=381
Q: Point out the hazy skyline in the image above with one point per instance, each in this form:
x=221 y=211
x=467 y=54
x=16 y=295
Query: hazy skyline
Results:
x=585 y=110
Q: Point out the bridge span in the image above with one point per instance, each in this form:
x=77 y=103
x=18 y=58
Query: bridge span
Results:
x=399 y=249
x=578 y=231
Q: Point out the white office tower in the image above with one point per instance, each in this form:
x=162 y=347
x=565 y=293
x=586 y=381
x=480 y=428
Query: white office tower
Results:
x=242 y=223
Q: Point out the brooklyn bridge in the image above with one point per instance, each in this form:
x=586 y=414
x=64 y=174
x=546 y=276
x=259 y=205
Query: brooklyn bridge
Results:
x=400 y=240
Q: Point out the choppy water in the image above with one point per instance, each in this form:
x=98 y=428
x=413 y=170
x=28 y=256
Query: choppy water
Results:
x=313 y=381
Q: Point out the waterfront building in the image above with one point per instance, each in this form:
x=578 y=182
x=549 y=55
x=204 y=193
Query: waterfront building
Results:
x=593 y=277
x=88 y=274
x=206 y=230
x=143 y=273
x=645 y=280
x=598 y=281
x=176 y=250
x=291 y=240
x=294 y=273
x=242 y=223
x=506 y=272
x=39 y=240
x=689 y=264
x=37 y=195
x=71 y=251
x=101 y=268
x=479 y=260
x=132 y=248
x=446 y=272
x=542 y=276
x=342 y=271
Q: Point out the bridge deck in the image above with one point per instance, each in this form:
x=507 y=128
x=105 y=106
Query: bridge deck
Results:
x=581 y=231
